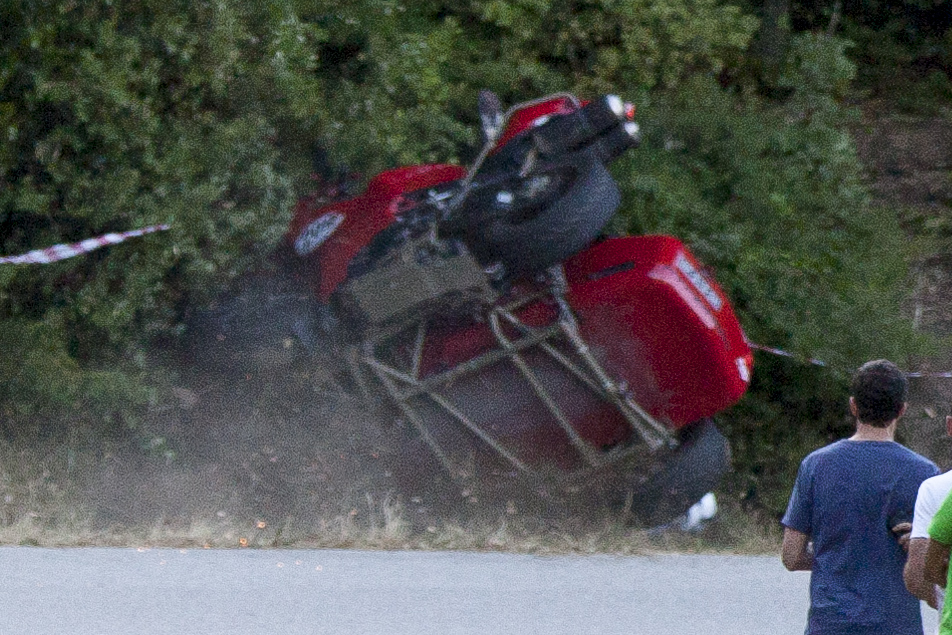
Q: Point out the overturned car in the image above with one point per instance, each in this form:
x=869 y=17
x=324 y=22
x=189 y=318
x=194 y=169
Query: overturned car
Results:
x=489 y=309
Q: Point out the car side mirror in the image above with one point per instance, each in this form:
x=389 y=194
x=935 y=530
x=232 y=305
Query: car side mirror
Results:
x=490 y=114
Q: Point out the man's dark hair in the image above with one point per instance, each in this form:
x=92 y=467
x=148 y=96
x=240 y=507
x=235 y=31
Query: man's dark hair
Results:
x=879 y=390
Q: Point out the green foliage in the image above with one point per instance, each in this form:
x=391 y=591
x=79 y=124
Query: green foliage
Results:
x=817 y=70
x=118 y=116
x=898 y=43
x=402 y=78
x=40 y=374
x=610 y=44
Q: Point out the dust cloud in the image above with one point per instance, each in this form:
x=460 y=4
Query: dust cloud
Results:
x=287 y=454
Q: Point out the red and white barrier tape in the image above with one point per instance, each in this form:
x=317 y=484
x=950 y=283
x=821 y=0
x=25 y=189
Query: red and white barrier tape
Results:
x=817 y=362
x=61 y=252
x=777 y=351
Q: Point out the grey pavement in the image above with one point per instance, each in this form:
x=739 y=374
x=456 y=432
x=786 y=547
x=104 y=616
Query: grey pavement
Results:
x=100 y=591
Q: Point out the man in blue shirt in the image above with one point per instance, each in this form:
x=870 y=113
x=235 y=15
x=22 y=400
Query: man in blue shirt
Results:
x=847 y=499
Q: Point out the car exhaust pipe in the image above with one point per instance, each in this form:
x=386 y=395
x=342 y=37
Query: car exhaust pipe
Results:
x=618 y=140
x=567 y=133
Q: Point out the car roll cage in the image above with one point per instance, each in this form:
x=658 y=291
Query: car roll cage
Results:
x=403 y=382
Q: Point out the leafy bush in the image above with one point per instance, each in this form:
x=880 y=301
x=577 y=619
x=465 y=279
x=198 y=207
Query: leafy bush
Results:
x=117 y=116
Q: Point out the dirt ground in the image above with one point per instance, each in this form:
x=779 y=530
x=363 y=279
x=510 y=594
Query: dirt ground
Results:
x=310 y=467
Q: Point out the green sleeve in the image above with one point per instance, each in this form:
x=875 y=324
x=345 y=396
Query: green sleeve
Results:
x=940 y=529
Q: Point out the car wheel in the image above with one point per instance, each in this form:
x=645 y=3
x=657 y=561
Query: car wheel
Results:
x=693 y=469
x=539 y=231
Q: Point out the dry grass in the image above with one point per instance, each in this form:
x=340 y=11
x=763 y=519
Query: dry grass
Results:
x=51 y=496
x=267 y=471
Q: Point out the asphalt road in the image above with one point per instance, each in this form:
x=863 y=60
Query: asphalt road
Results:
x=286 y=592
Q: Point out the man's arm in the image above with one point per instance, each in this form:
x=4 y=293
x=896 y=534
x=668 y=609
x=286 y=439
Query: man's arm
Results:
x=936 y=564
x=796 y=552
x=914 y=572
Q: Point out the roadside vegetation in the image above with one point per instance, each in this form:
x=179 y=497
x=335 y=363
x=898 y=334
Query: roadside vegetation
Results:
x=216 y=117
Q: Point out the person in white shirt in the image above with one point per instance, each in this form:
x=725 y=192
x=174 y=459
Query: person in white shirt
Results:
x=931 y=494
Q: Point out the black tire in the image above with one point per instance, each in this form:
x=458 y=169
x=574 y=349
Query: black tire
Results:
x=528 y=239
x=693 y=469
x=264 y=324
